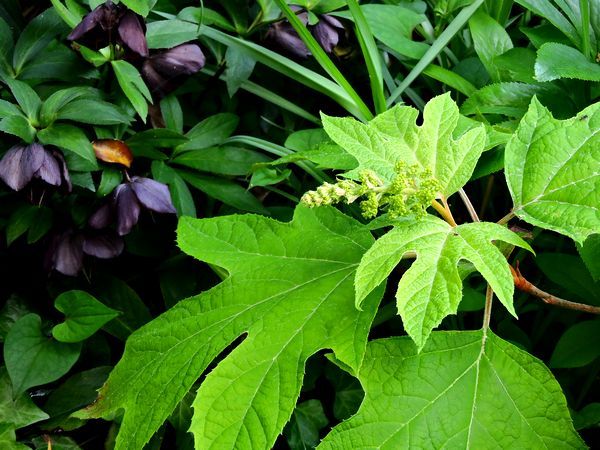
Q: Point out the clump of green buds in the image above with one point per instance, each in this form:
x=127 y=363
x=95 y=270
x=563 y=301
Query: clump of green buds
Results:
x=411 y=191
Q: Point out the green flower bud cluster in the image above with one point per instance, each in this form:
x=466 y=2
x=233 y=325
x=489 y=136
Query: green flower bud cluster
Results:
x=410 y=192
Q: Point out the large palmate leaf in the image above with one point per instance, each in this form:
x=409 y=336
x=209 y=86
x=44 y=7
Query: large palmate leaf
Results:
x=290 y=291
x=464 y=390
x=432 y=288
x=394 y=136
x=553 y=171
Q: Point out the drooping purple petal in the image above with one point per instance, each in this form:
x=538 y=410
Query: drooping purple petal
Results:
x=87 y=24
x=131 y=31
x=50 y=170
x=19 y=164
x=185 y=59
x=154 y=80
x=128 y=208
x=104 y=246
x=153 y=195
x=102 y=217
x=284 y=35
x=64 y=170
x=68 y=254
x=327 y=32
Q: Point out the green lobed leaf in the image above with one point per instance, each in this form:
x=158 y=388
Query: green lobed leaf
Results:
x=432 y=287
x=552 y=170
x=94 y=112
x=394 y=136
x=464 y=390
x=289 y=295
x=556 y=61
x=84 y=316
x=31 y=358
x=26 y=97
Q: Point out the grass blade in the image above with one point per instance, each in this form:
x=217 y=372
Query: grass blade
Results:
x=454 y=27
x=292 y=70
x=371 y=55
x=322 y=58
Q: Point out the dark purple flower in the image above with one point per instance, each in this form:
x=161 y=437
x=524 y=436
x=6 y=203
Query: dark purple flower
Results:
x=127 y=201
x=164 y=71
x=327 y=32
x=110 y=23
x=22 y=163
x=67 y=249
x=284 y=35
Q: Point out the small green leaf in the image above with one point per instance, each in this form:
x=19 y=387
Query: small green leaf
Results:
x=394 y=136
x=589 y=252
x=33 y=359
x=26 y=97
x=36 y=36
x=577 y=346
x=551 y=168
x=240 y=66
x=84 y=316
x=302 y=431
x=225 y=160
x=142 y=7
x=59 y=99
x=94 y=112
x=556 y=61
x=210 y=132
x=69 y=137
x=156 y=138
x=111 y=178
x=490 y=39
x=18 y=126
x=226 y=191
x=133 y=86
x=170 y=33
x=432 y=288
x=172 y=113
x=464 y=390
x=9 y=109
x=16 y=411
x=180 y=193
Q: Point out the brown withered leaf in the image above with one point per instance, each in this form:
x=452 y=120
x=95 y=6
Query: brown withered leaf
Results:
x=113 y=151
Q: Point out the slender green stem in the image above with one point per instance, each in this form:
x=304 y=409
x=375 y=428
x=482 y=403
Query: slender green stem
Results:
x=444 y=212
x=445 y=37
x=584 y=7
x=506 y=218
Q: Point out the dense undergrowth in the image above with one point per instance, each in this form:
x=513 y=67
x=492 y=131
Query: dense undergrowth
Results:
x=271 y=224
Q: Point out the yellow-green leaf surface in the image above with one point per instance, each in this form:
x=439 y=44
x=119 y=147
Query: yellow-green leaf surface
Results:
x=465 y=390
x=432 y=288
x=553 y=171
x=289 y=294
x=394 y=136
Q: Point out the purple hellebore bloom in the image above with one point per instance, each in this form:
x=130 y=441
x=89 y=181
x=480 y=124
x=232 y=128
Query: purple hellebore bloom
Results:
x=284 y=35
x=22 y=163
x=96 y=28
x=327 y=32
x=165 y=70
x=127 y=201
x=66 y=251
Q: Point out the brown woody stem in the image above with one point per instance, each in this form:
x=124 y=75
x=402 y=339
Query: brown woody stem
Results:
x=522 y=284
